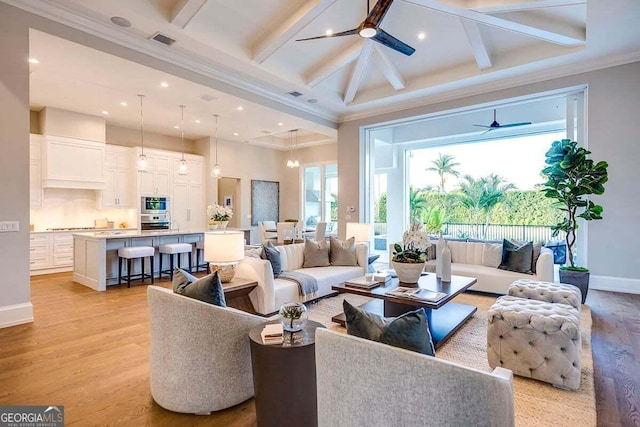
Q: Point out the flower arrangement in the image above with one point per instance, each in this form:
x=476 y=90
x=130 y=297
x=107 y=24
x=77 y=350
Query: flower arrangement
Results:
x=415 y=244
x=217 y=212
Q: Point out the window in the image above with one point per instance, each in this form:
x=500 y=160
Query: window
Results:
x=320 y=197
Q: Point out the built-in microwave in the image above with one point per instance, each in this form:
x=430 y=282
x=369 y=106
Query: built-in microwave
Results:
x=154 y=205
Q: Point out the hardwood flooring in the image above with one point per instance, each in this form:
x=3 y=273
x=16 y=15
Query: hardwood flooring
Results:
x=88 y=351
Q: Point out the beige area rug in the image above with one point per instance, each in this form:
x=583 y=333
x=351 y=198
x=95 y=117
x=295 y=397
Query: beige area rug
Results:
x=537 y=403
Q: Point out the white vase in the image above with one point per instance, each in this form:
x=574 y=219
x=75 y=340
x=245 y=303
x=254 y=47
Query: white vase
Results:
x=223 y=224
x=446 y=264
x=408 y=272
x=440 y=244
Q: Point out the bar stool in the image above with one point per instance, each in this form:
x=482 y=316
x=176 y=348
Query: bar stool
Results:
x=199 y=250
x=130 y=253
x=172 y=249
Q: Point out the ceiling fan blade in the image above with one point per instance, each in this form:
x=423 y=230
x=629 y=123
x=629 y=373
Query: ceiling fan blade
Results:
x=484 y=126
x=511 y=125
x=389 y=41
x=377 y=13
x=326 y=36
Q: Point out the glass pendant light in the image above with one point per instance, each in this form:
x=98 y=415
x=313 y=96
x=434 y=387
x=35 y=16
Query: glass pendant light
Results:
x=291 y=163
x=296 y=164
x=216 y=172
x=143 y=164
x=183 y=169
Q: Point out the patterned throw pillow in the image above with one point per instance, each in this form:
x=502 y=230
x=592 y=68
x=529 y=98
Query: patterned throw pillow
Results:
x=409 y=331
x=342 y=252
x=208 y=289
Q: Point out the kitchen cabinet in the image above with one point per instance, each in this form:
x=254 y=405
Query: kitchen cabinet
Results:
x=118 y=172
x=156 y=181
x=187 y=204
x=72 y=163
x=50 y=253
x=35 y=170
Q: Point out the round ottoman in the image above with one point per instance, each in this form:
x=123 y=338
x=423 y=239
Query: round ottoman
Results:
x=535 y=339
x=561 y=293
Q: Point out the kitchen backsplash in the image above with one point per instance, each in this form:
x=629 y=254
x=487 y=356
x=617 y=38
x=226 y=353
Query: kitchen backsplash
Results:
x=76 y=208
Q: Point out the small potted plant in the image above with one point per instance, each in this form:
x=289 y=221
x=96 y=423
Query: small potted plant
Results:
x=219 y=215
x=571 y=178
x=293 y=316
x=409 y=258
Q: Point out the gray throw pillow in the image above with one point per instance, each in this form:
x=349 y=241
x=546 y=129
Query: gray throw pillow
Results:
x=272 y=254
x=409 y=331
x=316 y=254
x=492 y=254
x=342 y=252
x=537 y=248
x=516 y=258
x=208 y=289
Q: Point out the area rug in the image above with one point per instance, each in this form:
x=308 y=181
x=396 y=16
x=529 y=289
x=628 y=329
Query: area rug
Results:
x=537 y=403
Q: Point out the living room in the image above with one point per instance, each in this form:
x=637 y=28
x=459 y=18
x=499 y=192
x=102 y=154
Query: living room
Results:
x=611 y=126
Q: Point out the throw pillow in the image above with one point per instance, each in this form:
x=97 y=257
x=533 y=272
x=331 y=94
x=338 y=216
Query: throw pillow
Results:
x=516 y=258
x=207 y=289
x=272 y=254
x=537 y=248
x=492 y=254
x=316 y=254
x=409 y=331
x=342 y=253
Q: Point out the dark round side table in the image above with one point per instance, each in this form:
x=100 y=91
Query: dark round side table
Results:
x=284 y=378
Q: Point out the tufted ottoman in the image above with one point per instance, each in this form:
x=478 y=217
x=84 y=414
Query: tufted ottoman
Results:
x=546 y=291
x=535 y=339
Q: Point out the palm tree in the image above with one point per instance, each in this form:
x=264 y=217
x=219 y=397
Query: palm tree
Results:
x=417 y=204
x=470 y=196
x=495 y=189
x=444 y=165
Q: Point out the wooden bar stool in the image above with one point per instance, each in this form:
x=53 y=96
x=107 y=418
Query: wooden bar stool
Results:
x=172 y=249
x=130 y=253
x=200 y=250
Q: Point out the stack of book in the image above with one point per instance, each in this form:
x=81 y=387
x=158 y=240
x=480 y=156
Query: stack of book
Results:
x=417 y=294
x=364 y=282
x=272 y=333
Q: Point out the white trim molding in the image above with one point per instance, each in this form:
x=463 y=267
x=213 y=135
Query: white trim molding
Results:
x=615 y=284
x=17 y=314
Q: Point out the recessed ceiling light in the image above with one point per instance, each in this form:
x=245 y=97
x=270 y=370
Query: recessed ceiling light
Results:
x=164 y=84
x=106 y=113
x=329 y=32
x=422 y=36
x=124 y=104
x=236 y=134
x=120 y=21
x=33 y=61
x=280 y=124
x=312 y=100
x=176 y=127
x=240 y=108
x=197 y=120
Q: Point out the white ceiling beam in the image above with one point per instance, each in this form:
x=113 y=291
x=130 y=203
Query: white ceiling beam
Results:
x=527 y=5
x=293 y=25
x=501 y=23
x=184 y=11
x=389 y=70
x=344 y=58
x=358 y=71
x=477 y=45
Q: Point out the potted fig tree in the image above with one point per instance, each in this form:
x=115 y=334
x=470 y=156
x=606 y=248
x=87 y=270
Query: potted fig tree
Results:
x=571 y=178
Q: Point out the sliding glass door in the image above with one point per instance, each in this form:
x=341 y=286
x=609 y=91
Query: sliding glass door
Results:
x=320 y=195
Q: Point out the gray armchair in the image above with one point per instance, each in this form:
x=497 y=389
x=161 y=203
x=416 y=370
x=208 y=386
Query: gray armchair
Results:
x=199 y=360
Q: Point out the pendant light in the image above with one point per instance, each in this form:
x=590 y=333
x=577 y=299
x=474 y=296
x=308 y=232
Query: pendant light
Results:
x=295 y=146
x=291 y=163
x=143 y=164
x=183 y=169
x=216 y=172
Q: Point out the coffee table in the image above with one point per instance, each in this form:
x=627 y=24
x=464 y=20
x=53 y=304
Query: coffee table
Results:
x=444 y=317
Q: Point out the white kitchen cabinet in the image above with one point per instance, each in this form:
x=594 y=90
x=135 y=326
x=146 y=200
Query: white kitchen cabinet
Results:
x=187 y=204
x=156 y=181
x=35 y=170
x=72 y=163
x=50 y=253
x=118 y=167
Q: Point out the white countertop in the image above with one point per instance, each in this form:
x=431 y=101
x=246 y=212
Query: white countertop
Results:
x=119 y=234
x=84 y=231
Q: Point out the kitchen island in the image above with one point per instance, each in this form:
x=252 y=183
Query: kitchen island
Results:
x=95 y=254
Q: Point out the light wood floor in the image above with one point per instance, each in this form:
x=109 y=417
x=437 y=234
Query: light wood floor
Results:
x=88 y=351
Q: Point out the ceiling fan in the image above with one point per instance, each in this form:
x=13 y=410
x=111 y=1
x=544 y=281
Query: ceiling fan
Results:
x=370 y=29
x=496 y=125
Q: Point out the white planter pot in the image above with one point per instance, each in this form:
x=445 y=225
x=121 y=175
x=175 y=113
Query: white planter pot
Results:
x=408 y=272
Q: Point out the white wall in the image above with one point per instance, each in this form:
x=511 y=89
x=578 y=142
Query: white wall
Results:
x=613 y=102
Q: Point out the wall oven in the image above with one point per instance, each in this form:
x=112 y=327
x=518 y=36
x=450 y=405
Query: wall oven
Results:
x=154 y=213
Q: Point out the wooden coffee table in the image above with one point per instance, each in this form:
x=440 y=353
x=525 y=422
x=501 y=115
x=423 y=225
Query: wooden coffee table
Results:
x=444 y=317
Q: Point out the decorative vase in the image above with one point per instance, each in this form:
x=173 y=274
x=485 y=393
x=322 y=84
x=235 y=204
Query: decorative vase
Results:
x=223 y=225
x=445 y=271
x=440 y=244
x=408 y=272
x=213 y=225
x=576 y=278
x=293 y=316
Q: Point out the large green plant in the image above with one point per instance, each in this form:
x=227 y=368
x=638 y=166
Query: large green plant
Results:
x=571 y=178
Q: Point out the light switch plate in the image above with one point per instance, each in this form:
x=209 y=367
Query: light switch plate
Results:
x=7 y=226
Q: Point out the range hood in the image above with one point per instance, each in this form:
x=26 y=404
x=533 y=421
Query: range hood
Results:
x=72 y=163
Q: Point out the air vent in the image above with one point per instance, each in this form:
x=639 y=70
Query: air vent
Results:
x=207 y=98
x=294 y=93
x=161 y=38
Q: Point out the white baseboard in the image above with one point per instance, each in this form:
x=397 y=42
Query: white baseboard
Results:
x=16 y=314
x=615 y=284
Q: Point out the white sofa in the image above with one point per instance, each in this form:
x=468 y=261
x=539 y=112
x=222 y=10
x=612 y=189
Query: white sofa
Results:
x=363 y=383
x=272 y=292
x=467 y=260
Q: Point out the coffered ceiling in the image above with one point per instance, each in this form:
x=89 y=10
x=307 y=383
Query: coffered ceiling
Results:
x=461 y=47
